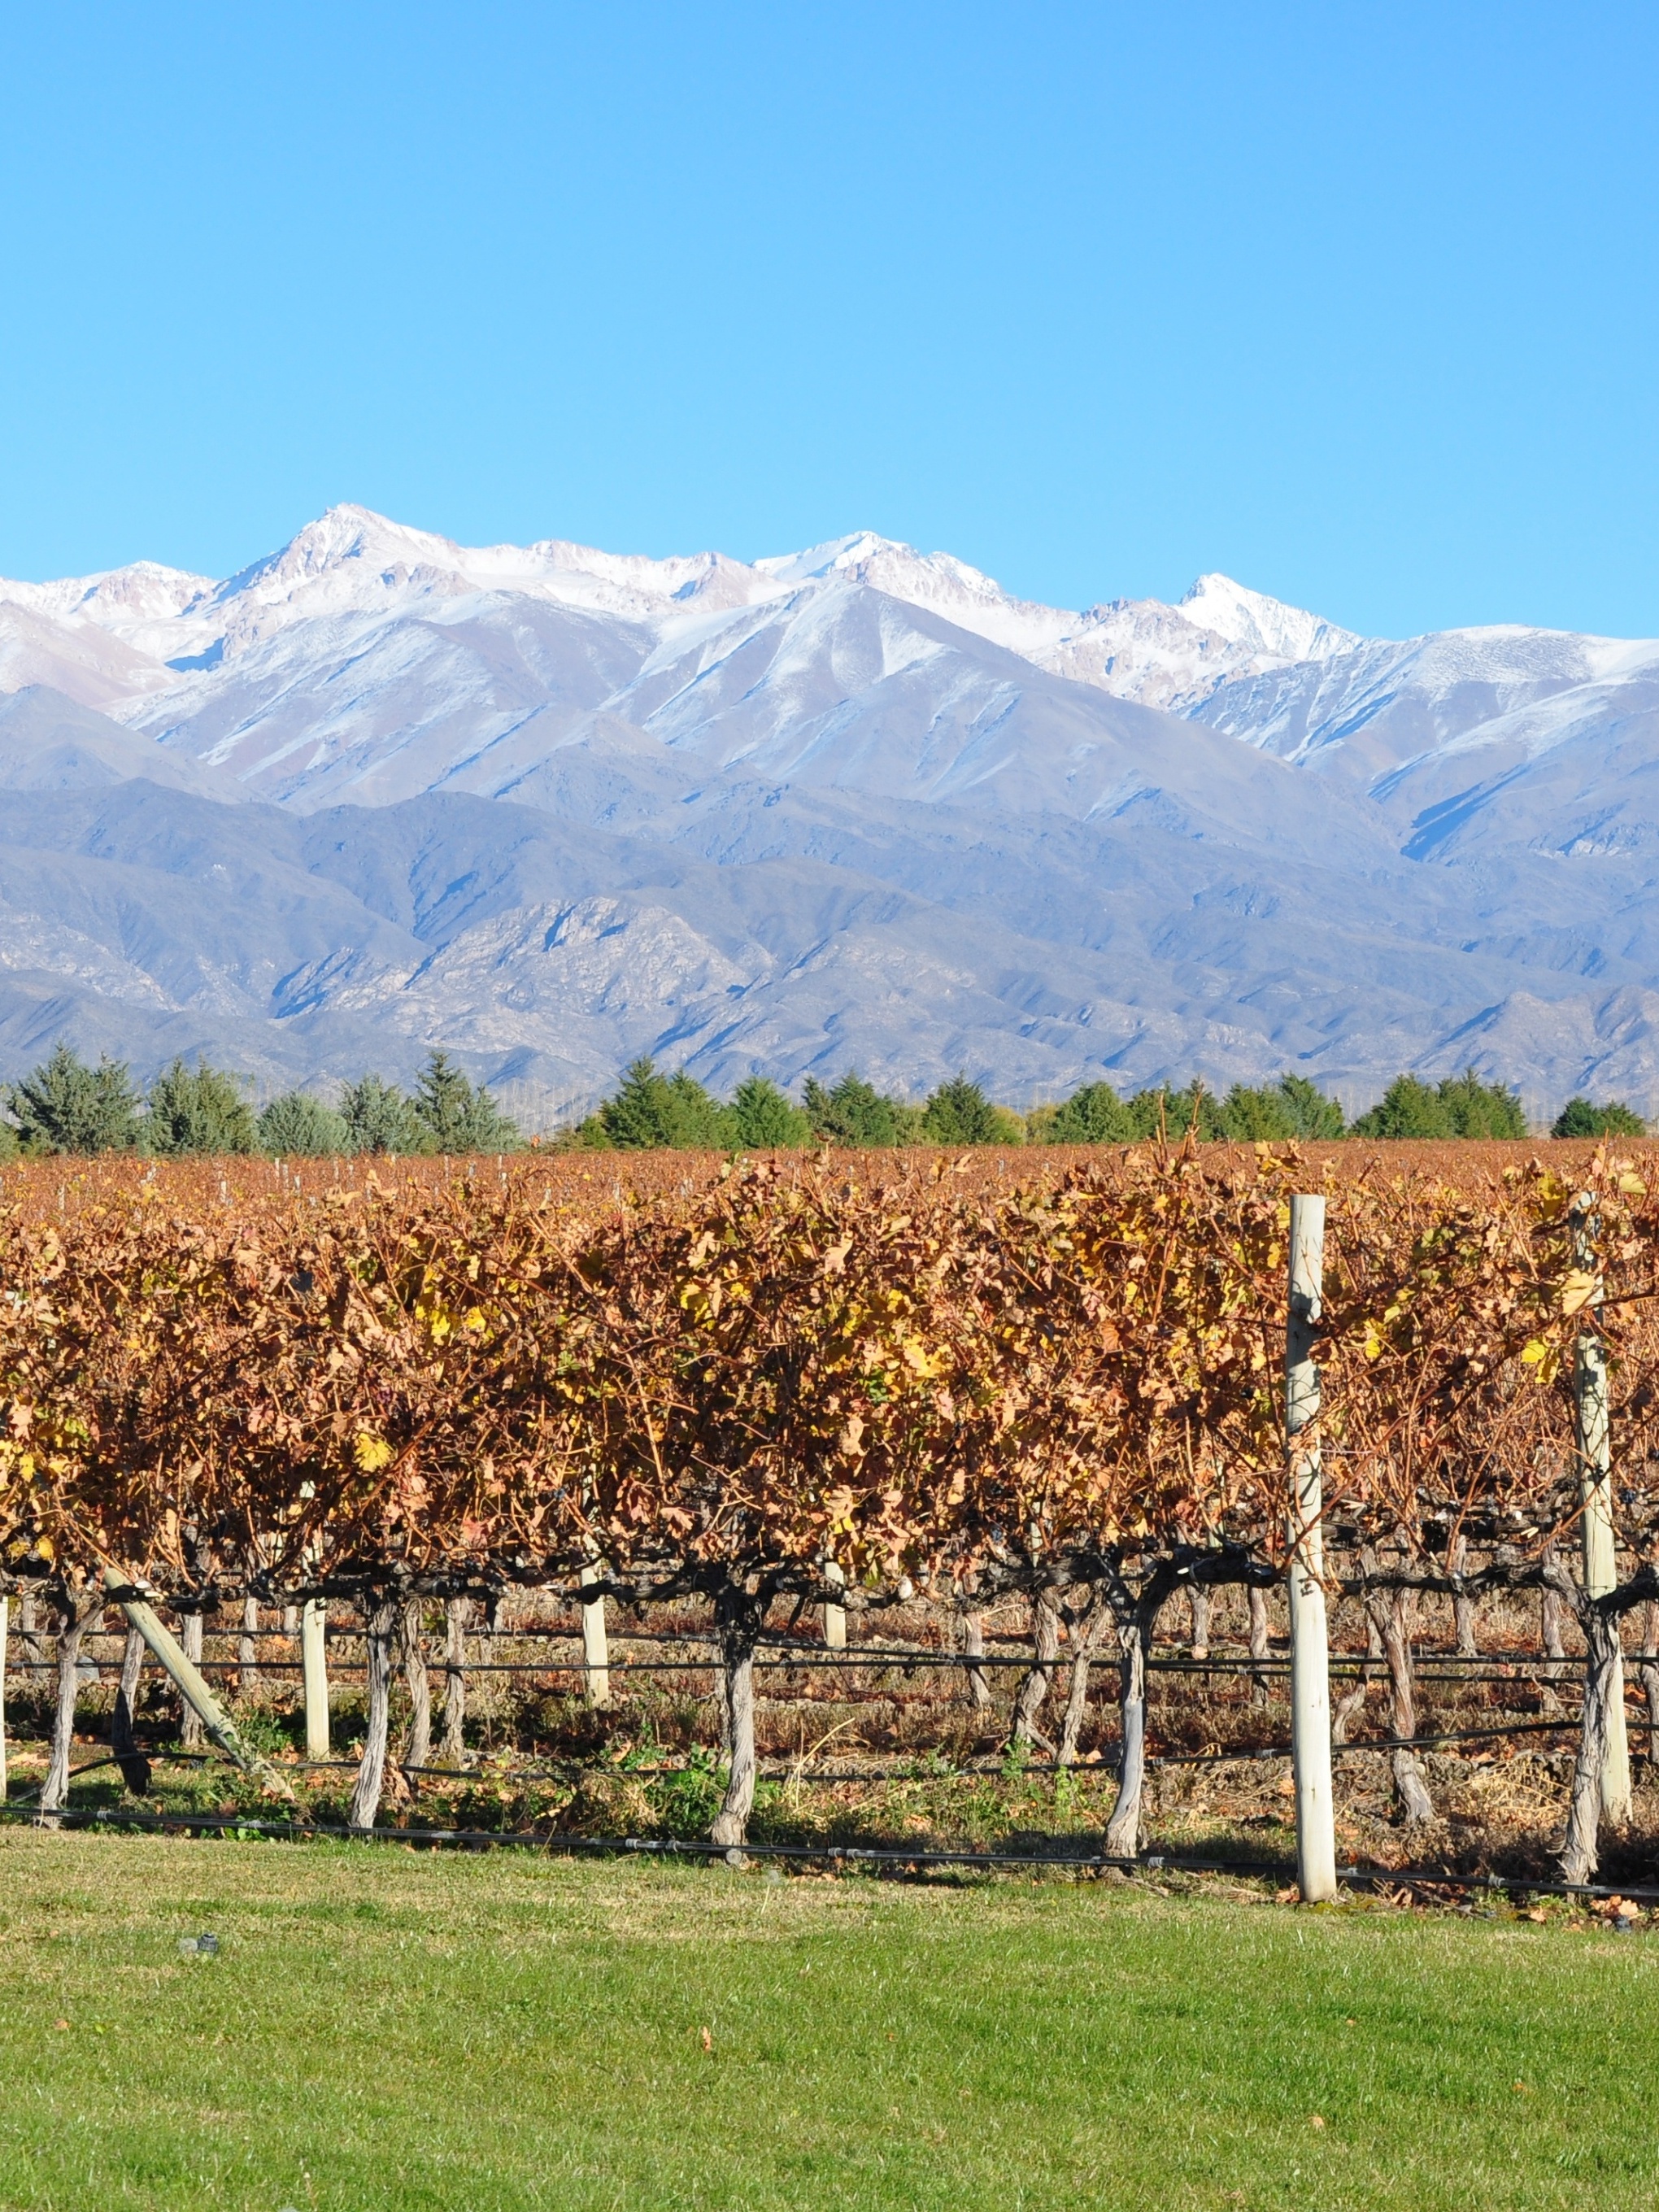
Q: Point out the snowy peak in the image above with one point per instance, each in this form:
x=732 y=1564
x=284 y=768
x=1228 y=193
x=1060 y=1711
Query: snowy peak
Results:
x=114 y=599
x=352 y=564
x=1261 y=625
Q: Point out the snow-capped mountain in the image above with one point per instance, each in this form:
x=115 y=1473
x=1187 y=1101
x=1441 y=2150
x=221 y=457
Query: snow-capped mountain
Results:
x=550 y=807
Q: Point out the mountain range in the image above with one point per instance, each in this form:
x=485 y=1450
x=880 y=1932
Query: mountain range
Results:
x=551 y=808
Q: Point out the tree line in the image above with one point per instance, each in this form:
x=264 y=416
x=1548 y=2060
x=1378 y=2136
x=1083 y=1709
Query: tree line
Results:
x=67 y=1105
x=651 y=1111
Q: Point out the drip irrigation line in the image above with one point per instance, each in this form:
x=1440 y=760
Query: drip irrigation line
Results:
x=854 y=1854
x=1107 y=1764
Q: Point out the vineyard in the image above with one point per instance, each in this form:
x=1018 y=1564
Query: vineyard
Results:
x=917 y=1504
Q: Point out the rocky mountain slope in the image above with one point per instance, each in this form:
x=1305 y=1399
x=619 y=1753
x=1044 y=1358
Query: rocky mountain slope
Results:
x=550 y=808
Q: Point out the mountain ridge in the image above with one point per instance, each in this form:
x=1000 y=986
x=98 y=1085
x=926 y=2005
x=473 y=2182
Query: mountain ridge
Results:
x=946 y=827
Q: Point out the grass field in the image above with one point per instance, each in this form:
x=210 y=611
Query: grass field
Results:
x=382 y=2029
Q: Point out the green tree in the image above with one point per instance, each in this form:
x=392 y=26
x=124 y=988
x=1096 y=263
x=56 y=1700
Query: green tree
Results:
x=1458 y=1106
x=1255 y=1115
x=380 y=1119
x=855 y=1112
x=1407 y=1108
x=1578 y=1118
x=1481 y=1110
x=767 y=1121
x=1173 y=1113
x=65 y=1106
x=1093 y=1115
x=652 y=1112
x=959 y=1113
x=298 y=1126
x=456 y=1117
x=1312 y=1113
x=1276 y=1112
x=198 y=1110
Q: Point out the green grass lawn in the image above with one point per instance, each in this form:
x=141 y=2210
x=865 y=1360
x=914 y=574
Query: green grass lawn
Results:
x=387 y=2029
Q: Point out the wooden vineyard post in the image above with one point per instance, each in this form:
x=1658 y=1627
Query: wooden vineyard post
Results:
x=835 y=1616
x=191 y=1686
x=1589 y=1379
x=596 y=1644
x=314 y=1668
x=1310 y=1688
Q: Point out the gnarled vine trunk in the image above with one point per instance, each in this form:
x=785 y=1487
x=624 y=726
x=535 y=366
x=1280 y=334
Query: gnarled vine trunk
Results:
x=380 y=1629
x=1260 y=1649
x=1086 y=1631
x=1393 y=1616
x=1123 y=1828
x=1579 y=1857
x=1551 y=1613
x=457 y=1611
x=1462 y=1607
x=247 y=1649
x=1198 y=1610
x=973 y=1646
x=29 y=1633
x=191 y=1733
x=1352 y=1702
x=1045 y=1650
x=740 y=1617
x=418 y=1749
x=72 y=1620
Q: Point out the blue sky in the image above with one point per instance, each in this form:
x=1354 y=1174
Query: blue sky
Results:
x=1355 y=302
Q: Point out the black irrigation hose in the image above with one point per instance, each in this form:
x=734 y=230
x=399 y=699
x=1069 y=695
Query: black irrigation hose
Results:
x=833 y=1854
x=563 y=1769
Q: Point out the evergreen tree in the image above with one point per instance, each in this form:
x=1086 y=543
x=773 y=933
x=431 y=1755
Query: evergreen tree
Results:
x=697 y=1122
x=1407 y=1108
x=380 y=1119
x=456 y=1117
x=197 y=1110
x=652 y=1112
x=1276 y=1112
x=1093 y=1115
x=298 y=1126
x=959 y=1113
x=1171 y=1113
x=1312 y=1113
x=855 y=1112
x=1578 y=1118
x=1481 y=1110
x=1458 y=1106
x=765 y=1119
x=65 y=1106
x=637 y=1118
x=1260 y=1115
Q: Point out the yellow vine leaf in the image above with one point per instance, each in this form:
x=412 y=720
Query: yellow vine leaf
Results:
x=1543 y=1359
x=371 y=1453
x=1578 y=1290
